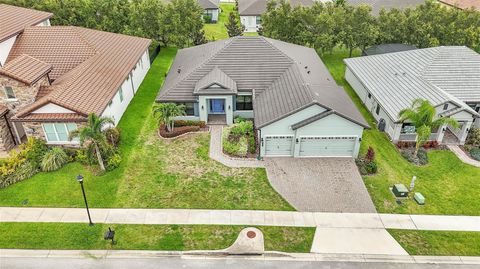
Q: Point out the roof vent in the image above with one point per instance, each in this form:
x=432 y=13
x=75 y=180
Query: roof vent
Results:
x=308 y=72
x=306 y=66
x=179 y=70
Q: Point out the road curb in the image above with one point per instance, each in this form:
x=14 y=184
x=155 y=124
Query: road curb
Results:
x=268 y=256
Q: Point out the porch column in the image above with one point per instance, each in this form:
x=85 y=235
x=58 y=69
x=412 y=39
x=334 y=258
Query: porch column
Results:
x=441 y=132
x=203 y=108
x=465 y=129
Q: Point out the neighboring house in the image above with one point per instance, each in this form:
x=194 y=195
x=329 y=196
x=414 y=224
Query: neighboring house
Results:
x=297 y=107
x=252 y=10
x=211 y=8
x=448 y=77
x=378 y=5
x=386 y=48
x=462 y=4
x=54 y=76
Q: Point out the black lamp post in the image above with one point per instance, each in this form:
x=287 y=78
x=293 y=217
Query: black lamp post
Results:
x=80 y=180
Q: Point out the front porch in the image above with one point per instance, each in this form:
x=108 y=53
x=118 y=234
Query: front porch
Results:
x=217 y=119
x=445 y=135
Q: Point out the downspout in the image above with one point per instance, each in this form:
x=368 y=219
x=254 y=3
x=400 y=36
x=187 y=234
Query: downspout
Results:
x=131 y=81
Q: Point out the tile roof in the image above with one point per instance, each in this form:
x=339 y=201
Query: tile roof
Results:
x=14 y=19
x=258 y=7
x=26 y=69
x=58 y=117
x=88 y=65
x=378 y=5
x=463 y=4
x=285 y=77
x=440 y=74
x=216 y=76
x=3 y=110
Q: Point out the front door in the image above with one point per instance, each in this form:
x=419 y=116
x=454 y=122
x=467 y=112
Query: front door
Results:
x=217 y=106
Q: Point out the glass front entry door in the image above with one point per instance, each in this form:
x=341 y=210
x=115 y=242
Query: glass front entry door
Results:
x=217 y=106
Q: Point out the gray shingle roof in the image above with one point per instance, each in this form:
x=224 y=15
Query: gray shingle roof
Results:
x=285 y=77
x=209 y=4
x=440 y=74
x=218 y=77
x=387 y=48
x=377 y=5
x=258 y=7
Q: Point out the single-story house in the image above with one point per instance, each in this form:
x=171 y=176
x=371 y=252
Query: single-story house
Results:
x=462 y=4
x=251 y=11
x=296 y=106
x=54 y=76
x=378 y=5
x=386 y=48
x=211 y=8
x=448 y=77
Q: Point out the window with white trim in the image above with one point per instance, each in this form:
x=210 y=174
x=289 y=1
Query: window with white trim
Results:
x=9 y=93
x=59 y=132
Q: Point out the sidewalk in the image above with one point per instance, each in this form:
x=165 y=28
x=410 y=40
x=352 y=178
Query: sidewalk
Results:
x=462 y=156
x=216 y=152
x=243 y=217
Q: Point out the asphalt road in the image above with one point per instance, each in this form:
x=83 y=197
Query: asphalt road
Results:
x=176 y=262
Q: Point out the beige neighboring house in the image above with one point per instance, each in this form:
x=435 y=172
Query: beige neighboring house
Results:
x=462 y=4
x=52 y=77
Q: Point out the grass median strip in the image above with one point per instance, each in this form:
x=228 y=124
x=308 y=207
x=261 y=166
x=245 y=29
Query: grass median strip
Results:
x=146 y=237
x=438 y=243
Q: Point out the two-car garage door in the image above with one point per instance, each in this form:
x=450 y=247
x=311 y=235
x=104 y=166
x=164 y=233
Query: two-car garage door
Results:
x=311 y=146
x=331 y=146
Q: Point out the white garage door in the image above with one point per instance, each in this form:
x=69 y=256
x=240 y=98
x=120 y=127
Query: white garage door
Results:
x=279 y=146
x=331 y=146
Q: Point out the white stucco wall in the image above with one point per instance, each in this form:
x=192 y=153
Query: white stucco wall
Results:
x=214 y=13
x=129 y=88
x=250 y=23
x=204 y=106
x=52 y=108
x=5 y=48
x=44 y=23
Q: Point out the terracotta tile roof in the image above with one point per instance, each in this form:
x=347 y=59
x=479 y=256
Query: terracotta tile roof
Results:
x=14 y=19
x=43 y=91
x=26 y=69
x=58 y=117
x=3 y=110
x=99 y=62
x=62 y=47
x=463 y=4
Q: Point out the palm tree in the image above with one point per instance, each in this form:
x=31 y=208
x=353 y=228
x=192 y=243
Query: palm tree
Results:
x=93 y=135
x=422 y=116
x=166 y=112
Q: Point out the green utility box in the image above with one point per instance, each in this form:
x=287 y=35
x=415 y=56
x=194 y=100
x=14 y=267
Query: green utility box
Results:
x=399 y=190
x=418 y=197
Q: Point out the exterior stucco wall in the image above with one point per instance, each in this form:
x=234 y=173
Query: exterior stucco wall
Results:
x=5 y=48
x=204 y=106
x=129 y=88
x=250 y=23
x=214 y=13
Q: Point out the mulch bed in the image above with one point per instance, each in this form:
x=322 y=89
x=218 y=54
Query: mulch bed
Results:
x=177 y=131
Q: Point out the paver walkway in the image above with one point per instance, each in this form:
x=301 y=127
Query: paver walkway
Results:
x=463 y=156
x=320 y=184
x=217 y=154
x=243 y=217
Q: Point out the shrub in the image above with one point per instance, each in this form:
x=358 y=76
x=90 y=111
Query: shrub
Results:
x=84 y=157
x=34 y=150
x=473 y=137
x=113 y=161
x=430 y=145
x=242 y=128
x=366 y=164
x=370 y=156
x=239 y=119
x=252 y=145
x=422 y=157
x=207 y=18
x=54 y=159
x=113 y=136
x=180 y=123
x=177 y=131
x=475 y=153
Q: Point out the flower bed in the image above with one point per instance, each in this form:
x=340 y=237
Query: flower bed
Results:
x=407 y=150
x=238 y=140
x=182 y=127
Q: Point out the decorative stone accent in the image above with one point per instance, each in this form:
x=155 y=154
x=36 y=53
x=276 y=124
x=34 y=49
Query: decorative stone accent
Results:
x=25 y=94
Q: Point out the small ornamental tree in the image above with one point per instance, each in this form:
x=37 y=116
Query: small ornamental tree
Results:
x=234 y=28
x=165 y=112
x=370 y=156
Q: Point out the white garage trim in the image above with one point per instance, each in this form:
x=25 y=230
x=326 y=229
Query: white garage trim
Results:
x=350 y=138
x=272 y=138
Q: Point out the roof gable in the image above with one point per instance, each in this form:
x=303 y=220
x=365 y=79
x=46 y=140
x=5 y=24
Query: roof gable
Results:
x=215 y=82
x=26 y=69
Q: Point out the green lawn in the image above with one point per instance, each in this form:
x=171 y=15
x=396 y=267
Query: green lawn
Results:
x=145 y=237
x=153 y=173
x=217 y=31
x=449 y=186
x=438 y=243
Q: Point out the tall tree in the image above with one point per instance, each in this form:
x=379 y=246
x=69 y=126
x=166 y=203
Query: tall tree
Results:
x=165 y=112
x=183 y=22
x=233 y=25
x=423 y=116
x=360 y=29
x=93 y=137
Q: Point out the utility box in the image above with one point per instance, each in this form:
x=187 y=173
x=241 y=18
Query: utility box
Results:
x=418 y=197
x=399 y=190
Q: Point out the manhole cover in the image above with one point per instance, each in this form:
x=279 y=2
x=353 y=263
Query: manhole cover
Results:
x=251 y=234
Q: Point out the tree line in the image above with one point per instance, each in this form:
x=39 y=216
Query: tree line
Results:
x=168 y=23
x=324 y=26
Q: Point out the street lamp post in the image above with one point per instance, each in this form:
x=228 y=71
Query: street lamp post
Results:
x=80 y=180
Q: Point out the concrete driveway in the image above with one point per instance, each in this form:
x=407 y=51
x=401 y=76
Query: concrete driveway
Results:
x=320 y=184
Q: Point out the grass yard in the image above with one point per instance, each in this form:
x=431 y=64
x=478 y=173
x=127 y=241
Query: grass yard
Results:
x=449 y=186
x=217 y=31
x=438 y=243
x=145 y=237
x=153 y=173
